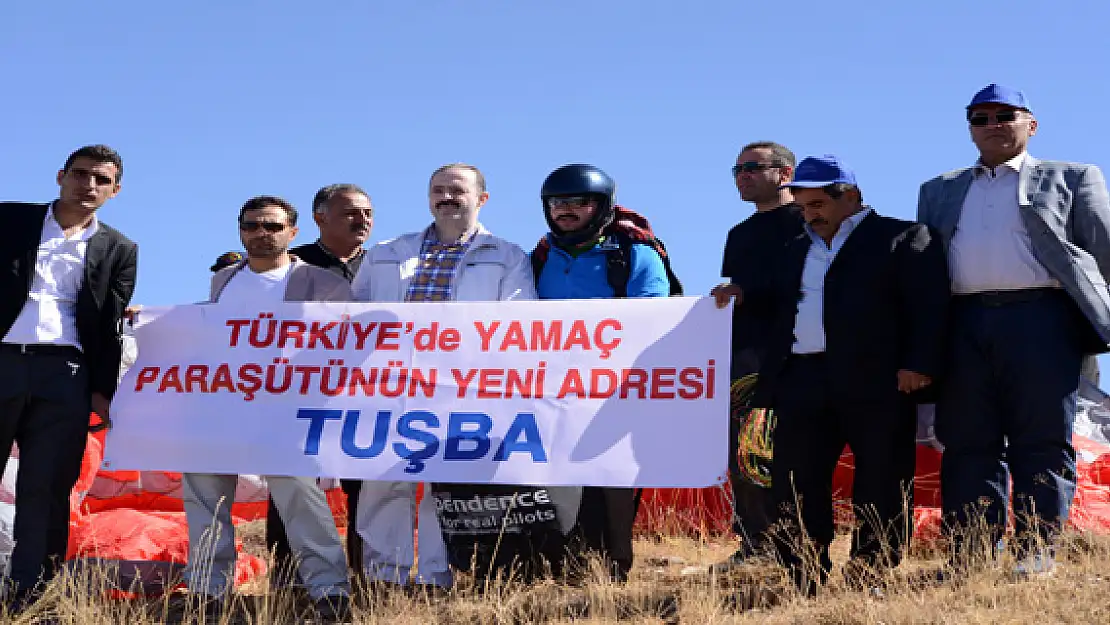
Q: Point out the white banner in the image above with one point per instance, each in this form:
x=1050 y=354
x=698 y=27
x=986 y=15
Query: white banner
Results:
x=556 y=392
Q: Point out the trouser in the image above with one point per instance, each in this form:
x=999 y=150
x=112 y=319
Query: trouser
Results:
x=284 y=568
x=44 y=408
x=605 y=520
x=1006 y=410
x=752 y=511
x=304 y=509
x=815 y=422
x=386 y=512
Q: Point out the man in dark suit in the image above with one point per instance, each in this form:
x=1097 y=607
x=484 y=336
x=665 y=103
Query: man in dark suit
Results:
x=860 y=305
x=66 y=279
x=1028 y=241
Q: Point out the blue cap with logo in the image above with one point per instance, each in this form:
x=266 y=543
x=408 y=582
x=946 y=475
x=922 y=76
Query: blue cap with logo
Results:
x=815 y=172
x=998 y=94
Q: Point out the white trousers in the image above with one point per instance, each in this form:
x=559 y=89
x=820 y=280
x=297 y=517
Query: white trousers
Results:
x=386 y=512
x=308 y=520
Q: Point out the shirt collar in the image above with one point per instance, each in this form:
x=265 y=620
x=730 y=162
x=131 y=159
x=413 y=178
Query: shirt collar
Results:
x=81 y=235
x=1014 y=164
x=846 y=227
x=331 y=255
x=432 y=236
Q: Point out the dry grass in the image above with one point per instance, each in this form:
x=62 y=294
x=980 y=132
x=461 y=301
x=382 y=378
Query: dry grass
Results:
x=1079 y=592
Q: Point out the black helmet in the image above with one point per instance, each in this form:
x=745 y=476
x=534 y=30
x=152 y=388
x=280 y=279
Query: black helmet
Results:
x=571 y=180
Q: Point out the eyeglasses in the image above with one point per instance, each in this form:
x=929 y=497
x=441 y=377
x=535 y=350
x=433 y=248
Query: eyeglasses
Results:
x=750 y=167
x=268 y=226
x=570 y=201
x=1001 y=117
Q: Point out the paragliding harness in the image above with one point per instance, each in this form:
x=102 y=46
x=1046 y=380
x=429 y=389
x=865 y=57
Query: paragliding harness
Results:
x=628 y=228
x=494 y=530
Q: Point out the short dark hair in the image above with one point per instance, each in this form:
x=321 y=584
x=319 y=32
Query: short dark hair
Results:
x=262 y=201
x=837 y=190
x=97 y=153
x=779 y=152
x=324 y=195
x=478 y=177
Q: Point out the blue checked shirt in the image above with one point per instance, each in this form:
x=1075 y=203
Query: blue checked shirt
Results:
x=436 y=268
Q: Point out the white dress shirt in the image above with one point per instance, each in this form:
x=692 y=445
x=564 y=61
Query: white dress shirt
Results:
x=50 y=314
x=809 y=322
x=990 y=250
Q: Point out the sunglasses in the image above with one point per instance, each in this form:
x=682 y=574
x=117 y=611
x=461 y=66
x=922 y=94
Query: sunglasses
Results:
x=570 y=201
x=751 y=167
x=1001 y=117
x=268 y=226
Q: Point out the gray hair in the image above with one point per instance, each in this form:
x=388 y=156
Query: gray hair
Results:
x=324 y=195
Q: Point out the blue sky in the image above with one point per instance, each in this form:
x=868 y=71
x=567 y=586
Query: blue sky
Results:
x=211 y=102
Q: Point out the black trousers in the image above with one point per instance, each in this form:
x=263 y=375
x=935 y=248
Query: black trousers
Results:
x=277 y=542
x=815 y=422
x=44 y=409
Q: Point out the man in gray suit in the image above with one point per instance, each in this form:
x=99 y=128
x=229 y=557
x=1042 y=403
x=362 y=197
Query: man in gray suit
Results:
x=268 y=275
x=1029 y=251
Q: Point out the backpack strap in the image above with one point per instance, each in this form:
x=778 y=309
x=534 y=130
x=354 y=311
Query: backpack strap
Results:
x=676 y=284
x=539 y=258
x=618 y=263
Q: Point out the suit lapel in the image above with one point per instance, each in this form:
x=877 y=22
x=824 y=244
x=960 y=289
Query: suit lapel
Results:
x=1031 y=204
x=95 y=252
x=33 y=233
x=855 y=239
x=1029 y=179
x=952 y=203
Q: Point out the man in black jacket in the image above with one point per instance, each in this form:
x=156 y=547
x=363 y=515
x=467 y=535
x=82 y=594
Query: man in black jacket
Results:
x=345 y=217
x=860 y=304
x=66 y=279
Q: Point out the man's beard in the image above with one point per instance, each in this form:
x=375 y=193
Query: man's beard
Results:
x=569 y=226
x=265 y=249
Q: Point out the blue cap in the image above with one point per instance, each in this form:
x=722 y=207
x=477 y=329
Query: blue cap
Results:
x=815 y=172
x=997 y=94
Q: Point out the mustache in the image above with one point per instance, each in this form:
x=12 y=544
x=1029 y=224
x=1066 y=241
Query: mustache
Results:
x=263 y=248
x=818 y=221
x=446 y=203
